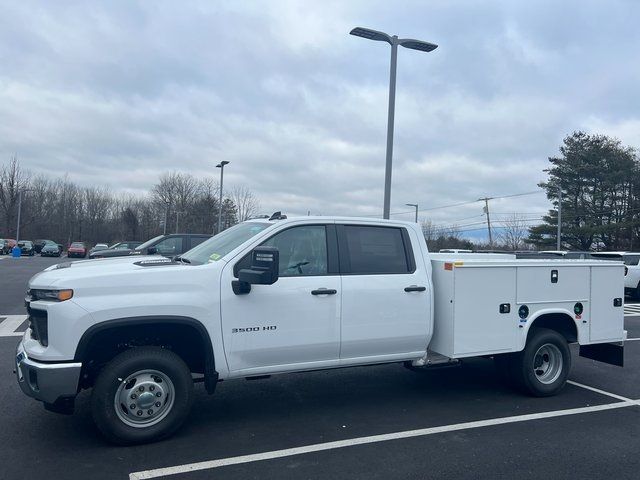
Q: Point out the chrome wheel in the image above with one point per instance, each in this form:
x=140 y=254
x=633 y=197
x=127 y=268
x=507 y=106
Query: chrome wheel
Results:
x=144 y=398
x=547 y=363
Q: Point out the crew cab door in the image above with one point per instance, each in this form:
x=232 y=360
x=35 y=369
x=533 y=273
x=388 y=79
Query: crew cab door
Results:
x=294 y=323
x=386 y=297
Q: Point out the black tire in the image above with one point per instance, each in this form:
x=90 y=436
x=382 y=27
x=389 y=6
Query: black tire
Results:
x=636 y=293
x=527 y=372
x=123 y=366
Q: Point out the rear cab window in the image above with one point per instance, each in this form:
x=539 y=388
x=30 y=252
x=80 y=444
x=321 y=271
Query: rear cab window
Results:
x=370 y=250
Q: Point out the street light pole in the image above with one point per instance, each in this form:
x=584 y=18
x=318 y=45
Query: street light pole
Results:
x=19 y=212
x=221 y=167
x=166 y=218
x=413 y=205
x=177 y=217
x=559 y=239
x=390 y=125
x=394 y=41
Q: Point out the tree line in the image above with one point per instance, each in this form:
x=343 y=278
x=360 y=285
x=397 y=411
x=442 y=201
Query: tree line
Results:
x=61 y=210
x=597 y=179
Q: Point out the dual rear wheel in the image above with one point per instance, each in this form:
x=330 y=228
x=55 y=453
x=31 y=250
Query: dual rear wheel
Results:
x=542 y=368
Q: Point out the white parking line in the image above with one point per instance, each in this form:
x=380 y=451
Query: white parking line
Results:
x=9 y=324
x=632 y=310
x=318 y=447
x=601 y=392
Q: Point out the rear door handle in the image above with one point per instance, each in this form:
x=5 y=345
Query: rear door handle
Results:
x=324 y=291
x=414 y=288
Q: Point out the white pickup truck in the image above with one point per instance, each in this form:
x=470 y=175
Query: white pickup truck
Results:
x=283 y=295
x=631 y=262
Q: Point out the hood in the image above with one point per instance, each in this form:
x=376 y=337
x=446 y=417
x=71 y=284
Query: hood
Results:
x=118 y=272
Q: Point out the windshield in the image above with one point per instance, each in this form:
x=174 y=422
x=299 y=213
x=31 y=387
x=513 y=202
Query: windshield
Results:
x=77 y=245
x=218 y=246
x=148 y=243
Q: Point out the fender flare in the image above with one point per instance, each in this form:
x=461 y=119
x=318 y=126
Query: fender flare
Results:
x=547 y=311
x=210 y=373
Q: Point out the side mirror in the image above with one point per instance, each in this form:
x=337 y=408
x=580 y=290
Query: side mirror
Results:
x=152 y=250
x=264 y=270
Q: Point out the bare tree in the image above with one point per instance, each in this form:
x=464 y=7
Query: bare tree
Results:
x=247 y=204
x=60 y=210
x=513 y=232
x=12 y=180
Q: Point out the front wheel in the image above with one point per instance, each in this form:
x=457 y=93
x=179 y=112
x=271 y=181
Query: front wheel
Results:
x=144 y=394
x=543 y=367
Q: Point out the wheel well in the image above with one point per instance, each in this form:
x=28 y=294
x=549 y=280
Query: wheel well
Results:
x=97 y=348
x=560 y=322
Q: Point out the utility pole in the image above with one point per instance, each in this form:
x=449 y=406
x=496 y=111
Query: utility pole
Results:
x=559 y=239
x=486 y=210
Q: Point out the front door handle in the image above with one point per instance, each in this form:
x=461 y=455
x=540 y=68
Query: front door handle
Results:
x=414 y=288
x=324 y=291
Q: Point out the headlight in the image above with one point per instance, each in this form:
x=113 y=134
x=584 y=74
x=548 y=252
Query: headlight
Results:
x=50 y=295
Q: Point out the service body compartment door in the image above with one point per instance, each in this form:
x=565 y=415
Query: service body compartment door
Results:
x=607 y=320
x=552 y=284
x=479 y=327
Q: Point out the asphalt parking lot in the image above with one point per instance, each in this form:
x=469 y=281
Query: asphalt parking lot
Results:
x=382 y=422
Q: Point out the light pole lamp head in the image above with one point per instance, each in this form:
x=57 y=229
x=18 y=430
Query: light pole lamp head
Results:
x=417 y=44
x=371 y=35
x=411 y=205
x=222 y=164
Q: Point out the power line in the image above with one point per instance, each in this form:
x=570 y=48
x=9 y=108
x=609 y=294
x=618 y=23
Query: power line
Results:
x=459 y=204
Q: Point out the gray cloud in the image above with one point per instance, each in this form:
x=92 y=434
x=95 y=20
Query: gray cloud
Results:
x=299 y=107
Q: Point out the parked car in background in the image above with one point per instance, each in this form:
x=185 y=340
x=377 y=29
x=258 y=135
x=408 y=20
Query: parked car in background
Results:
x=26 y=247
x=166 y=245
x=7 y=246
x=38 y=244
x=50 y=249
x=128 y=245
x=98 y=247
x=122 y=245
x=77 y=249
x=631 y=270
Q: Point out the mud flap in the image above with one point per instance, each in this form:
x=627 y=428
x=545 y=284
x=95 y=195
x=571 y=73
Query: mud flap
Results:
x=611 y=353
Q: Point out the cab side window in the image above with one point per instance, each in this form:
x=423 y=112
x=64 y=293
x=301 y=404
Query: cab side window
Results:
x=303 y=250
x=375 y=250
x=170 y=246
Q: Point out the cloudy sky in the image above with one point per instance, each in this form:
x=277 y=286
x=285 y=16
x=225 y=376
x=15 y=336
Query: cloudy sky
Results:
x=115 y=92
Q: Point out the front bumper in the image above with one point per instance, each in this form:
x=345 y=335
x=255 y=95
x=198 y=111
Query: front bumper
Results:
x=47 y=382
